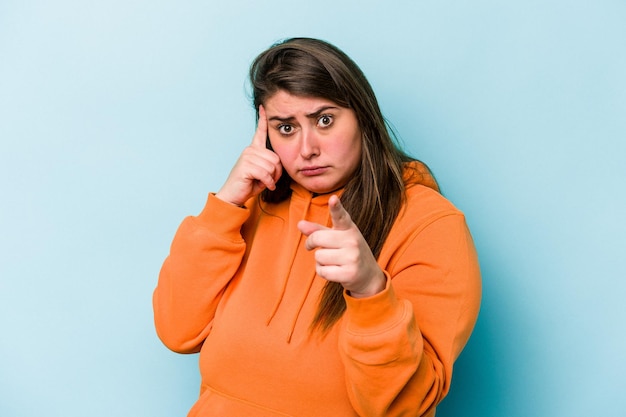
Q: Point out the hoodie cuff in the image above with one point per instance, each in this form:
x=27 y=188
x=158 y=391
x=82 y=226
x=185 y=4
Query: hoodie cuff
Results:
x=376 y=313
x=222 y=217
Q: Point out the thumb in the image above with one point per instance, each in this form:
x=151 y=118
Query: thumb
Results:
x=307 y=227
x=339 y=216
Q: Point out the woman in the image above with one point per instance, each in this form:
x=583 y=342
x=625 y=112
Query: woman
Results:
x=327 y=277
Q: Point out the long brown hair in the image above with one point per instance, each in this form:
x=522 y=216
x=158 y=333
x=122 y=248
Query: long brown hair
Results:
x=313 y=68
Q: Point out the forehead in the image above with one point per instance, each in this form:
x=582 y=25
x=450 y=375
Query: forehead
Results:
x=286 y=104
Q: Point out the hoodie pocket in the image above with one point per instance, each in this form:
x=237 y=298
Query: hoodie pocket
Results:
x=216 y=404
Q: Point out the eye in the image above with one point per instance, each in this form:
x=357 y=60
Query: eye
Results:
x=285 y=130
x=325 y=120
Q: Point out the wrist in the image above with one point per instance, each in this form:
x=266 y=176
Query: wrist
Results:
x=376 y=285
x=225 y=198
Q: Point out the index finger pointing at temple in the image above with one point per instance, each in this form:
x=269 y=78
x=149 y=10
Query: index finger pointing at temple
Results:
x=260 y=136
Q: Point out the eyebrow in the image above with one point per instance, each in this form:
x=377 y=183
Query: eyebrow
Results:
x=313 y=115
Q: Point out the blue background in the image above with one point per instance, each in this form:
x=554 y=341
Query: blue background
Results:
x=118 y=117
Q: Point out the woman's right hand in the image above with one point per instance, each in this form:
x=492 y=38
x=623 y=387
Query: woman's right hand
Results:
x=256 y=169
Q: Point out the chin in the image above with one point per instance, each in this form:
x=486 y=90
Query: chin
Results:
x=321 y=188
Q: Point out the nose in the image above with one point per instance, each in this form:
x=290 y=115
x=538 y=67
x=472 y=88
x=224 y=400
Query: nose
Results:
x=309 y=145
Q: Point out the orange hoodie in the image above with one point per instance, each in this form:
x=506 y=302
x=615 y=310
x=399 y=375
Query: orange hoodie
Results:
x=240 y=288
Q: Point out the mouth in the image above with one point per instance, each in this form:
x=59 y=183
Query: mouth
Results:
x=312 y=171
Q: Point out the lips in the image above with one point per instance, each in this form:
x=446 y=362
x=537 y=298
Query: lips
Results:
x=313 y=171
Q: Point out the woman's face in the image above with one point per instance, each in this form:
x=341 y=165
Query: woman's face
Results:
x=317 y=141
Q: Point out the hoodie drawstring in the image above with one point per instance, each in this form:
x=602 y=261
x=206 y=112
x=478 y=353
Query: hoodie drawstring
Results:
x=307 y=201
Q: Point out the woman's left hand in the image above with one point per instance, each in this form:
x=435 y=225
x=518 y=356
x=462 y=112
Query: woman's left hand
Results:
x=342 y=254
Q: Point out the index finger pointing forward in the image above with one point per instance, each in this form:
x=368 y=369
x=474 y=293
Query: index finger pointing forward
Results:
x=260 y=136
x=339 y=216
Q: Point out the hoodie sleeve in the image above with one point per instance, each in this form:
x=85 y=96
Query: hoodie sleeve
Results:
x=398 y=347
x=205 y=254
